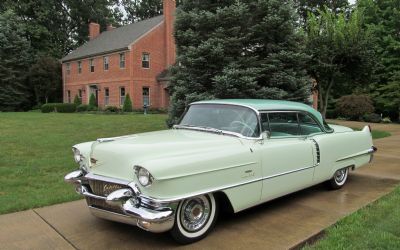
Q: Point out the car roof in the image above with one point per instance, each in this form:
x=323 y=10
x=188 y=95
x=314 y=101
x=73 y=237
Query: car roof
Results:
x=267 y=105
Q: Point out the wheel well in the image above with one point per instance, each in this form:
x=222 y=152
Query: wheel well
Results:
x=224 y=202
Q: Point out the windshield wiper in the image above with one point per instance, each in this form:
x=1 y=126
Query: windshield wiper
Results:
x=202 y=128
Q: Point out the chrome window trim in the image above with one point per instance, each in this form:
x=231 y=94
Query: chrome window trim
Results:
x=224 y=131
x=296 y=111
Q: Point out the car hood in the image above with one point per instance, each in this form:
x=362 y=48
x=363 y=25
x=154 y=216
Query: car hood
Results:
x=166 y=154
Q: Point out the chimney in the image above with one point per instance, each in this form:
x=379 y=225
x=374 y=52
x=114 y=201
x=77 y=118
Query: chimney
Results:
x=94 y=30
x=169 y=7
x=110 y=27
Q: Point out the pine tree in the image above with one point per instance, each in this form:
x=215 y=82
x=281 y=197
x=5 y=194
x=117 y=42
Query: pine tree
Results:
x=77 y=100
x=127 y=107
x=92 y=101
x=15 y=54
x=237 y=49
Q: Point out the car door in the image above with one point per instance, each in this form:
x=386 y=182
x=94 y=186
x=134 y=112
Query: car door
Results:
x=287 y=157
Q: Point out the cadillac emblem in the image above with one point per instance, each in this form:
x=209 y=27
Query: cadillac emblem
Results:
x=108 y=188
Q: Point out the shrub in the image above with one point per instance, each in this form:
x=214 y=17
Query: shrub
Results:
x=127 y=104
x=354 y=106
x=112 y=109
x=372 y=118
x=58 y=107
x=82 y=108
x=386 y=120
x=92 y=108
x=92 y=100
x=77 y=101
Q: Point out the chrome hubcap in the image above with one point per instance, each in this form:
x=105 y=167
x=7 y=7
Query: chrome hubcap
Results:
x=340 y=175
x=194 y=213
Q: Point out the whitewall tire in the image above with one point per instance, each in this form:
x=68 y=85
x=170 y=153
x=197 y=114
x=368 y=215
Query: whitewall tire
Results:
x=194 y=218
x=339 y=178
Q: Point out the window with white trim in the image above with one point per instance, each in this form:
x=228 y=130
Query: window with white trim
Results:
x=122 y=60
x=68 y=68
x=106 y=96
x=106 y=62
x=145 y=60
x=121 y=95
x=79 y=67
x=69 y=96
x=91 y=65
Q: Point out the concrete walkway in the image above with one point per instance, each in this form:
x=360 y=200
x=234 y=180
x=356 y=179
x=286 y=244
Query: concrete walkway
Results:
x=281 y=224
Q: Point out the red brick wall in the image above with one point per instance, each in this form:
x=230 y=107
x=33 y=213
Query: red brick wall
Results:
x=133 y=77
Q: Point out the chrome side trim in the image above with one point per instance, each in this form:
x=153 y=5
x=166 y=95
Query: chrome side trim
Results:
x=203 y=172
x=174 y=199
x=364 y=152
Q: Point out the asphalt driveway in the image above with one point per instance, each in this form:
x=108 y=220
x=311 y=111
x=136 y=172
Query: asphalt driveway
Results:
x=280 y=224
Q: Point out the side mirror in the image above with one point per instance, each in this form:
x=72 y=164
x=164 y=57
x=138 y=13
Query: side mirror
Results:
x=266 y=135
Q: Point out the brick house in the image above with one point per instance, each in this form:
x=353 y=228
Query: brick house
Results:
x=131 y=59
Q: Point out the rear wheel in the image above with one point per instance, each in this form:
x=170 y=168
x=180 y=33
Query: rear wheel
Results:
x=339 y=178
x=195 y=217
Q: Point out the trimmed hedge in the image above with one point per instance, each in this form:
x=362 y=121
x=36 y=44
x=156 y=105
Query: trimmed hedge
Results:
x=372 y=118
x=112 y=109
x=58 y=107
x=82 y=108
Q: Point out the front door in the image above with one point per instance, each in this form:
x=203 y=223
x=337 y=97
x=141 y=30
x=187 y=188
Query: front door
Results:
x=94 y=90
x=287 y=157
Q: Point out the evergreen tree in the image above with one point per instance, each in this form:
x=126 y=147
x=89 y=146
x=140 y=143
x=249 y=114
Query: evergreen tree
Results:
x=305 y=7
x=382 y=18
x=341 y=50
x=237 y=49
x=77 y=100
x=127 y=107
x=15 y=54
x=45 y=79
x=92 y=101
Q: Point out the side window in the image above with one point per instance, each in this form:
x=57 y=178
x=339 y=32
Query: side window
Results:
x=283 y=124
x=308 y=125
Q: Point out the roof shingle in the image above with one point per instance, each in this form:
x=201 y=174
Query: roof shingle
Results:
x=114 y=40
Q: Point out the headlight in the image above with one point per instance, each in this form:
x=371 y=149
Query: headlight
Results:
x=144 y=177
x=77 y=155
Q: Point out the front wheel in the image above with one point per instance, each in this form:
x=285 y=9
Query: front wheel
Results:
x=195 y=217
x=339 y=178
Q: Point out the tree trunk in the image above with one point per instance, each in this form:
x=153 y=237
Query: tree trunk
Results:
x=47 y=99
x=326 y=97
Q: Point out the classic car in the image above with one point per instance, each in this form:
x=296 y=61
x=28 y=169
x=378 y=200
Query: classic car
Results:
x=223 y=154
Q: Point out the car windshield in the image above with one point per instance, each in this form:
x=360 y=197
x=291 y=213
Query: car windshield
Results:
x=222 y=117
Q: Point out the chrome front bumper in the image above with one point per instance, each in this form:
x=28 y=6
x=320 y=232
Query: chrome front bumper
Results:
x=132 y=207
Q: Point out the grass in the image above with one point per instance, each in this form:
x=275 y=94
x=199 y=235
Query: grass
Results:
x=377 y=134
x=377 y=226
x=35 y=152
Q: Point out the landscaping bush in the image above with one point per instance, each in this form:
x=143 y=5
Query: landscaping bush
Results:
x=127 y=104
x=354 y=106
x=82 y=108
x=77 y=100
x=372 y=118
x=92 y=100
x=112 y=109
x=58 y=107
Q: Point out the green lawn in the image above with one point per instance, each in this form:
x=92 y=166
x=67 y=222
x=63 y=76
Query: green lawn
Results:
x=35 y=152
x=376 y=226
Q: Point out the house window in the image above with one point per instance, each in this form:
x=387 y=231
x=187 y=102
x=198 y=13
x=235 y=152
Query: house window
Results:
x=68 y=68
x=106 y=61
x=146 y=60
x=79 y=67
x=146 y=96
x=121 y=96
x=69 y=96
x=91 y=65
x=106 y=96
x=122 y=60
x=80 y=95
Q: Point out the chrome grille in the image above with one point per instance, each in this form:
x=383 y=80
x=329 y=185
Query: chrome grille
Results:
x=103 y=188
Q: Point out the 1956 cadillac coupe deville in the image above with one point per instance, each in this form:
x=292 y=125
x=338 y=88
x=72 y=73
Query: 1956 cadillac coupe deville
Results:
x=223 y=154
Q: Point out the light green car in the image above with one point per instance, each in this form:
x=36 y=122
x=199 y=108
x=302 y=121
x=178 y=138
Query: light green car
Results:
x=223 y=155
